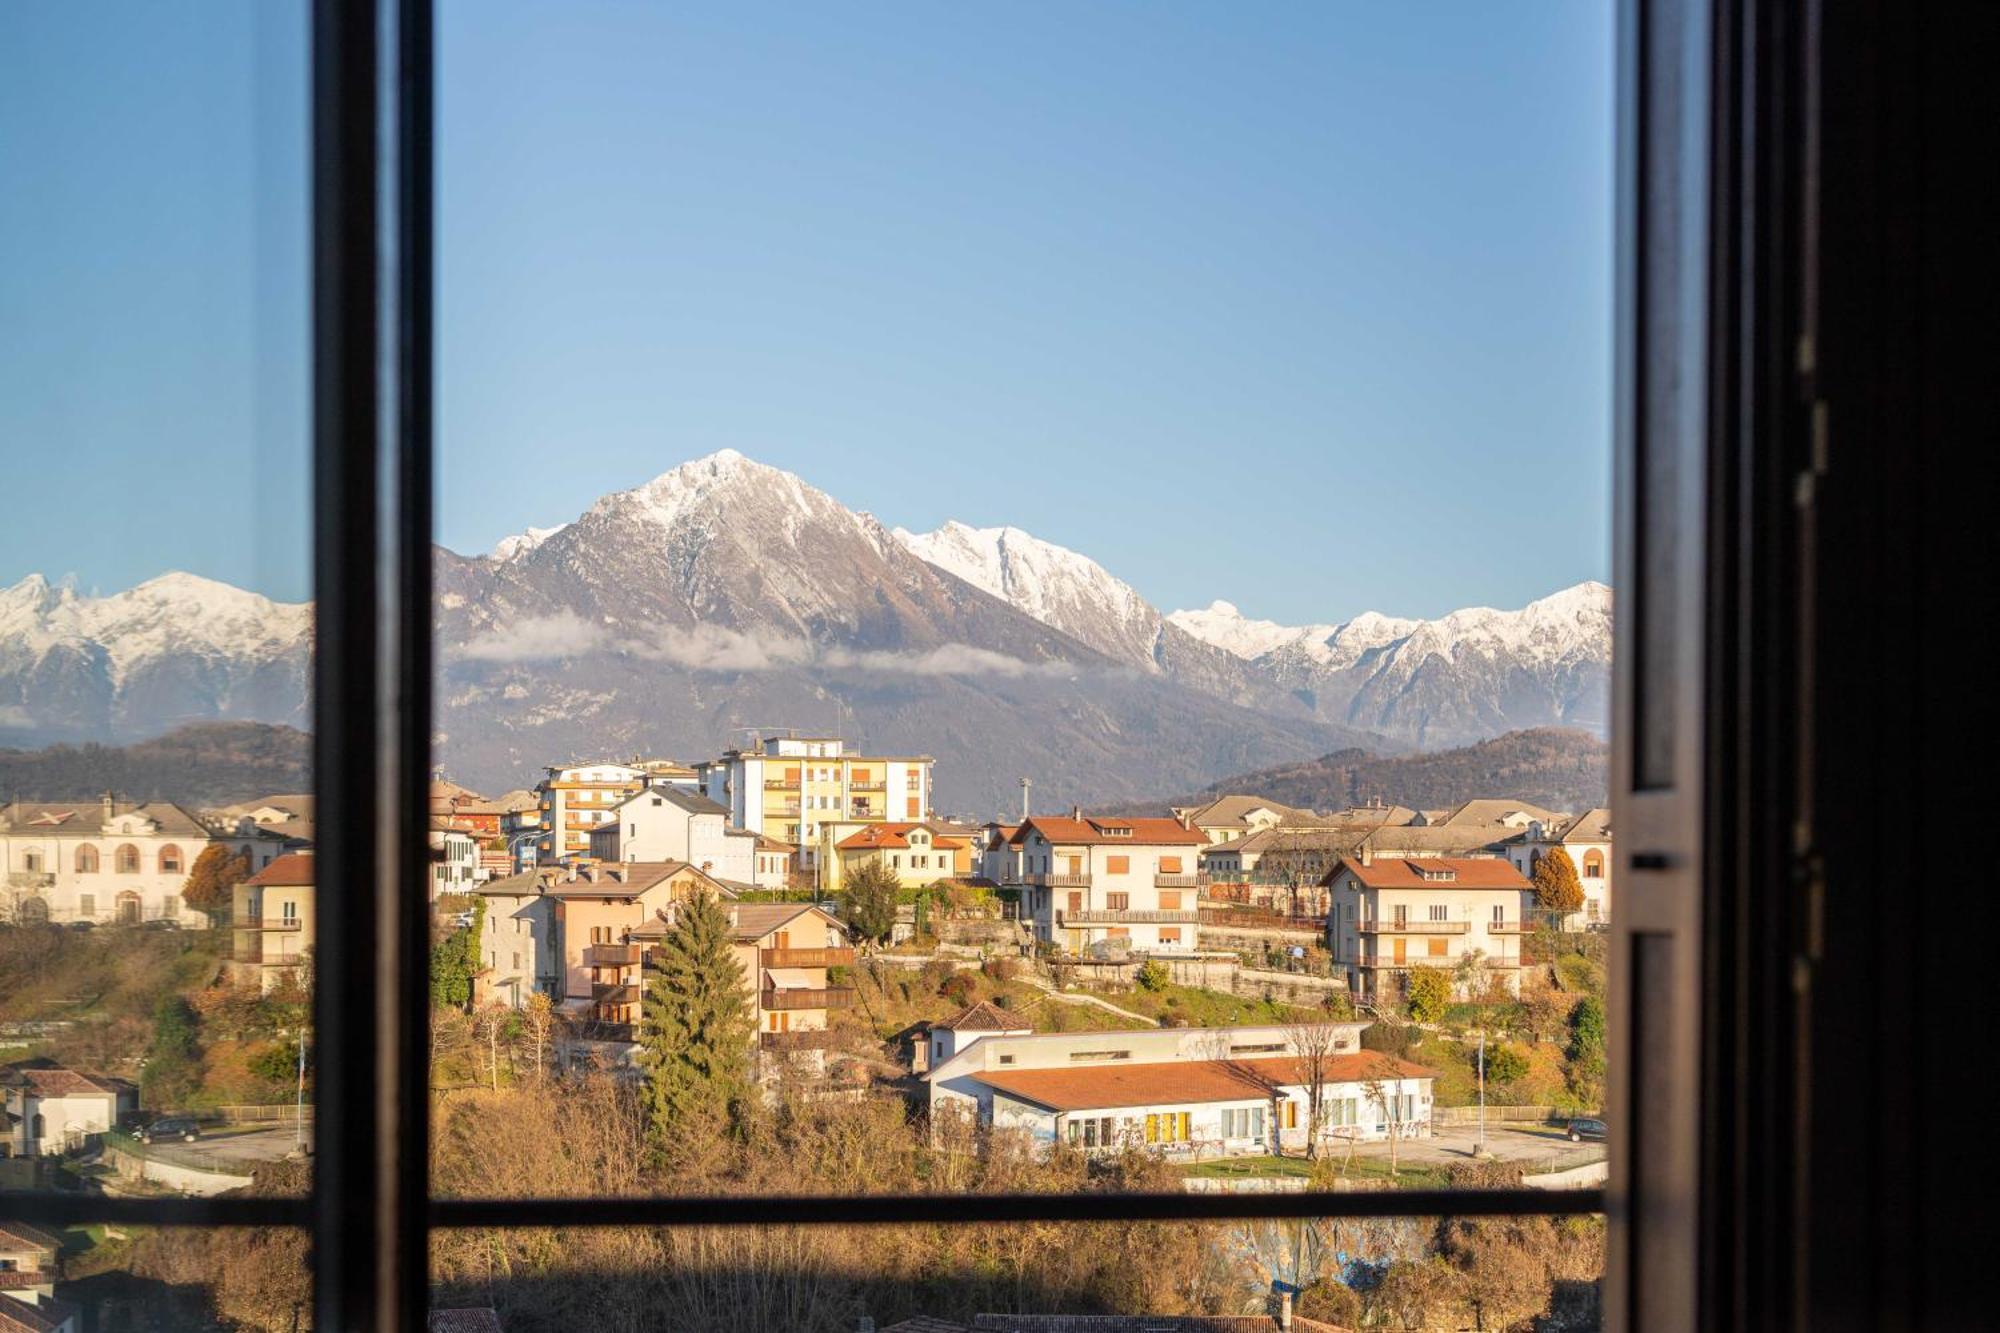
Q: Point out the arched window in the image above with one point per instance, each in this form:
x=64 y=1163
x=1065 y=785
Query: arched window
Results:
x=170 y=860
x=32 y=912
x=38 y=1126
x=1593 y=865
x=31 y=861
x=127 y=859
x=86 y=859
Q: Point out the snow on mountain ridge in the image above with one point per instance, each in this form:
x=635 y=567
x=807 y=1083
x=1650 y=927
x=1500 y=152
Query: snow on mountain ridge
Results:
x=175 y=612
x=1222 y=625
x=521 y=543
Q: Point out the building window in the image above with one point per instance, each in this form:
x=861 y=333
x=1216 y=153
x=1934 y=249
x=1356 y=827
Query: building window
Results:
x=86 y=905
x=170 y=860
x=31 y=862
x=126 y=859
x=1170 y=934
x=1117 y=865
x=1118 y=902
x=1593 y=865
x=86 y=860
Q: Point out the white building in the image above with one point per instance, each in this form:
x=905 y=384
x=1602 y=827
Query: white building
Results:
x=49 y=1110
x=111 y=861
x=454 y=855
x=28 y=1268
x=810 y=792
x=1190 y=1092
x=1105 y=882
x=675 y=823
x=1388 y=915
x=1587 y=839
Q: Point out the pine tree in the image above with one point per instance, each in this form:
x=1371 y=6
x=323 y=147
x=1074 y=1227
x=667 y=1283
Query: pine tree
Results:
x=1556 y=886
x=212 y=881
x=696 y=1030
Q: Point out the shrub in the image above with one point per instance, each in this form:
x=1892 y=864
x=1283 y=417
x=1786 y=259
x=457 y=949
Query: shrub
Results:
x=1002 y=970
x=957 y=988
x=935 y=974
x=1428 y=993
x=1505 y=1064
x=1153 y=975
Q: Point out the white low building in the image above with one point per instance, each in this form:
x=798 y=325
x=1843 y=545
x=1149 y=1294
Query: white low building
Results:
x=1184 y=1092
x=675 y=823
x=51 y=1110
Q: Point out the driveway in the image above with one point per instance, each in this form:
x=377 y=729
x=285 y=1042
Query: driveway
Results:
x=251 y=1146
x=1508 y=1143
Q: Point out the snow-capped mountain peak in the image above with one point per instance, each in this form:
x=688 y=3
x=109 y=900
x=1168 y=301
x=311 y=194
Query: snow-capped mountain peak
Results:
x=507 y=548
x=1052 y=583
x=1221 y=624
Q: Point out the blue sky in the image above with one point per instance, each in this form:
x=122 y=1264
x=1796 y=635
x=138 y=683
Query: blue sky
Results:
x=1305 y=306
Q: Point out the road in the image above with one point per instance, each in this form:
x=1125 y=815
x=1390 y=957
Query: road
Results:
x=252 y=1146
x=1508 y=1143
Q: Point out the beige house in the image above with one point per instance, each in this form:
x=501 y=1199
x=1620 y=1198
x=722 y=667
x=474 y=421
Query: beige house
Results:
x=600 y=915
x=1388 y=915
x=810 y=792
x=574 y=799
x=48 y=1109
x=916 y=854
x=1227 y=818
x=1107 y=882
x=272 y=923
x=517 y=949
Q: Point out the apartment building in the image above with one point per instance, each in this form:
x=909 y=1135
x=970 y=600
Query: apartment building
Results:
x=1104 y=882
x=1388 y=915
x=916 y=854
x=454 y=857
x=465 y=808
x=676 y=823
x=29 y=1267
x=49 y=1109
x=1587 y=839
x=810 y=792
x=517 y=940
x=1227 y=818
x=1180 y=1091
x=572 y=800
x=598 y=911
x=110 y=861
x=271 y=923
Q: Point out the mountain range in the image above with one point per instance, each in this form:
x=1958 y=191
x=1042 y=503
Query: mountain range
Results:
x=725 y=597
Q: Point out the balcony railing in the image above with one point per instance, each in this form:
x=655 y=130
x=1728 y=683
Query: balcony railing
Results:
x=833 y=997
x=805 y=957
x=1164 y=881
x=267 y=923
x=789 y=808
x=1048 y=881
x=1379 y=927
x=1429 y=960
x=15 y=1279
x=610 y=955
x=868 y=786
x=1250 y=918
x=1118 y=916
x=1506 y=927
x=780 y=784
x=259 y=955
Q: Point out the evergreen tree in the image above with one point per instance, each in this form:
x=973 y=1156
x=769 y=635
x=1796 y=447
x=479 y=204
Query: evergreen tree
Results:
x=455 y=961
x=870 y=902
x=1556 y=886
x=696 y=1030
x=212 y=881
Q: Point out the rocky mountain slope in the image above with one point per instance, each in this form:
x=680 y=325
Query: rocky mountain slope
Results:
x=206 y=764
x=1546 y=766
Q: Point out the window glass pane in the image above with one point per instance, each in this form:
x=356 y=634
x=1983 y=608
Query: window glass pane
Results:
x=156 y=623
x=823 y=759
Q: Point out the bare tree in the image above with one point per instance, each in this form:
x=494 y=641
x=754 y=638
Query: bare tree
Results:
x=488 y=1022
x=1313 y=1045
x=538 y=1019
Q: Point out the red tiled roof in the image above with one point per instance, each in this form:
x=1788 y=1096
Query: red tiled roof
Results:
x=1467 y=872
x=65 y=1082
x=1151 y=831
x=293 y=868
x=878 y=835
x=1172 y=1082
x=21 y=1236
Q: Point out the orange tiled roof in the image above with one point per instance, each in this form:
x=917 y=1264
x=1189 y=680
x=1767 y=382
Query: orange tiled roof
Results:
x=293 y=868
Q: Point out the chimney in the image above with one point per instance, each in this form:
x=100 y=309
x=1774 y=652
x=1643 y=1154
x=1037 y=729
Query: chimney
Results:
x=1367 y=855
x=109 y=804
x=1284 y=1309
x=1026 y=783
x=1076 y=812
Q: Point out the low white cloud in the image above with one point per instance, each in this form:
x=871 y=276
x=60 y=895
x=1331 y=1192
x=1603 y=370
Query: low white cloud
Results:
x=535 y=639
x=14 y=715
x=951 y=659
x=716 y=648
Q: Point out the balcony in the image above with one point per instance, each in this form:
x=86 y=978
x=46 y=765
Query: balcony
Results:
x=1506 y=927
x=257 y=955
x=266 y=923
x=14 y=1279
x=1047 y=881
x=1108 y=916
x=839 y=997
x=868 y=786
x=805 y=958
x=610 y=955
x=790 y=808
x=1412 y=927
x=781 y=784
x=1180 y=881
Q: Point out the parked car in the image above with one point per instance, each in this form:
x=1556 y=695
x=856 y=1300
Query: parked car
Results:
x=168 y=1128
x=163 y=923
x=1593 y=1130
x=83 y=925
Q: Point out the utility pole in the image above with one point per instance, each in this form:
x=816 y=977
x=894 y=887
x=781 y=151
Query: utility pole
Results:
x=299 y=1111
x=1480 y=1149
